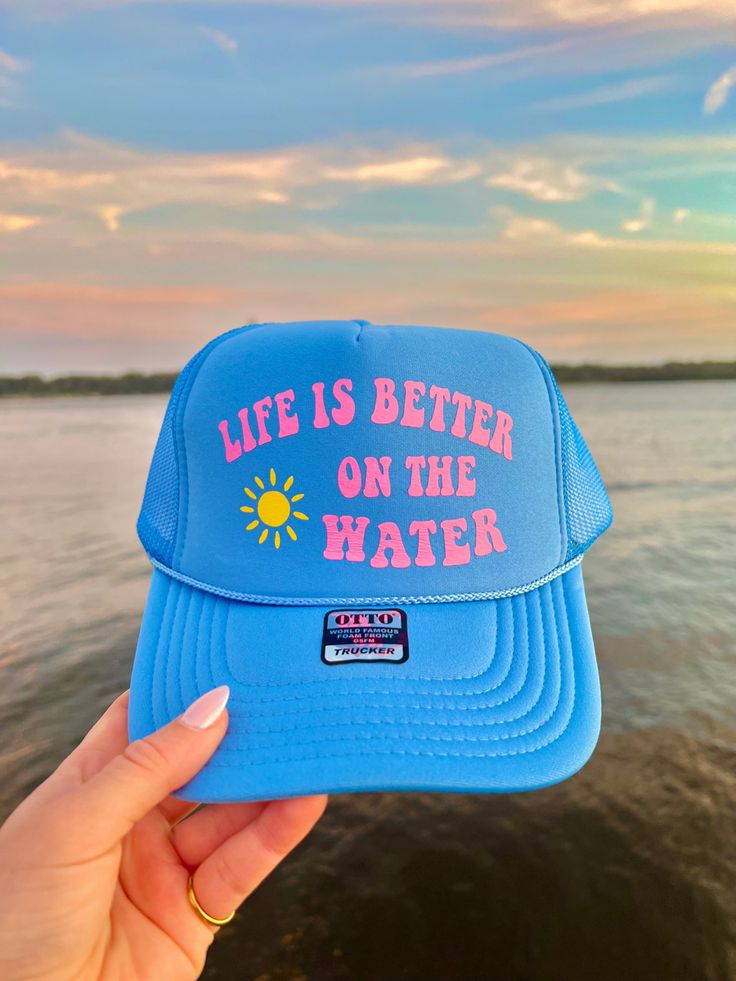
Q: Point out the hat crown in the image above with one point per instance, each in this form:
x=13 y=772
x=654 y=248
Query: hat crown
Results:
x=334 y=461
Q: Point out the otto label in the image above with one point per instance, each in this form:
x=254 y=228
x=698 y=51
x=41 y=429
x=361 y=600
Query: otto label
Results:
x=366 y=636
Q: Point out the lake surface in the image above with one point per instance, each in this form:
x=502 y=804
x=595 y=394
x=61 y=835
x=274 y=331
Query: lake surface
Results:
x=626 y=871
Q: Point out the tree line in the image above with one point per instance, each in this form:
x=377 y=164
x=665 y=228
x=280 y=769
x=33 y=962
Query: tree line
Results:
x=138 y=383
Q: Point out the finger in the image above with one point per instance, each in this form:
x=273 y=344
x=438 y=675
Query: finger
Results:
x=198 y=836
x=233 y=871
x=149 y=769
x=106 y=739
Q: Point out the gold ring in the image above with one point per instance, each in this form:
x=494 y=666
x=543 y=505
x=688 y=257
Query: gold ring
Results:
x=198 y=909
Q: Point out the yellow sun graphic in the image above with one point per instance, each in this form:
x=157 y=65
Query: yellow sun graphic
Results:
x=273 y=508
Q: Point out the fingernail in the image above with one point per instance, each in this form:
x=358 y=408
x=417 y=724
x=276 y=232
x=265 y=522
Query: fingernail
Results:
x=207 y=709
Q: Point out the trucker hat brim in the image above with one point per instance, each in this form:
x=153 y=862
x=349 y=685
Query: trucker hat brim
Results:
x=518 y=711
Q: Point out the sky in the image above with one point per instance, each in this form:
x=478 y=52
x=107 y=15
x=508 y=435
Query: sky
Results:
x=563 y=171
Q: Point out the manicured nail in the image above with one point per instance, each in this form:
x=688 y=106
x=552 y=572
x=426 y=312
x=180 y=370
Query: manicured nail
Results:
x=207 y=709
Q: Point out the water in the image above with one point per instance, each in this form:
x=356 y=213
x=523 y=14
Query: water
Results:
x=627 y=870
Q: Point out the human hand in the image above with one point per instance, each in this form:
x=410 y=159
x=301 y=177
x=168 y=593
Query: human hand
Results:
x=94 y=864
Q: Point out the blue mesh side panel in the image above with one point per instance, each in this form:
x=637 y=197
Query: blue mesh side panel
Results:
x=587 y=507
x=588 y=511
x=158 y=519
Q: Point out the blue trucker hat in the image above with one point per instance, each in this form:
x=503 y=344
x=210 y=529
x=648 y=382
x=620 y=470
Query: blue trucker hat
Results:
x=373 y=535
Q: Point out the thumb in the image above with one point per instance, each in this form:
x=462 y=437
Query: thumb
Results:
x=149 y=769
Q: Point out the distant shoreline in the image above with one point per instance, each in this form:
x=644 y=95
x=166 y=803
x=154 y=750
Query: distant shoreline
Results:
x=161 y=383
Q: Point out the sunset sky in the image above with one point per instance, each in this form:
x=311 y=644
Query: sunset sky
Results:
x=560 y=170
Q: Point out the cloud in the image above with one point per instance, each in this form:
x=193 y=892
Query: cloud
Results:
x=18 y=223
x=110 y=215
x=10 y=64
x=497 y=13
x=588 y=12
x=719 y=91
x=549 y=295
x=79 y=181
x=601 y=306
x=627 y=91
x=223 y=41
x=151 y=293
x=78 y=176
x=546 y=179
x=680 y=214
x=645 y=161
x=410 y=170
x=272 y=197
x=644 y=219
x=10 y=89
x=513 y=15
x=520 y=228
x=463 y=66
x=548 y=235
x=40 y=181
x=542 y=232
